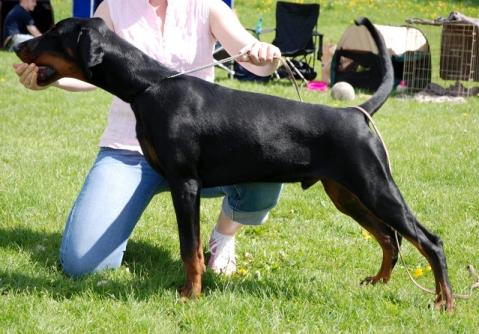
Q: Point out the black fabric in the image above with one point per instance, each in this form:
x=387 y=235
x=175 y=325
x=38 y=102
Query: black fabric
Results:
x=243 y=74
x=360 y=69
x=306 y=71
x=43 y=15
x=294 y=28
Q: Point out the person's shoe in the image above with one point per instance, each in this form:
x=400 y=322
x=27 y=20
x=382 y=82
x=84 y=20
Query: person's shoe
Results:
x=223 y=258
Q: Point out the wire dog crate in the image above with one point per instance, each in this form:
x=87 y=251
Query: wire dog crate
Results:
x=417 y=68
x=459 y=52
x=453 y=65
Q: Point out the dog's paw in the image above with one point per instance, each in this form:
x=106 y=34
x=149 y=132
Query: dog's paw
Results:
x=372 y=280
x=443 y=304
x=189 y=291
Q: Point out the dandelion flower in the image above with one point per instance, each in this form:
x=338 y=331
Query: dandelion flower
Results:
x=418 y=272
x=366 y=234
x=243 y=272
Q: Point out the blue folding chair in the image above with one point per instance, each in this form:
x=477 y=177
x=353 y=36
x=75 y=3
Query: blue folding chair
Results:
x=85 y=8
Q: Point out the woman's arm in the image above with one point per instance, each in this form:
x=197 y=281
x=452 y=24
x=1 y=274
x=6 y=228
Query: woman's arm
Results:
x=262 y=59
x=28 y=73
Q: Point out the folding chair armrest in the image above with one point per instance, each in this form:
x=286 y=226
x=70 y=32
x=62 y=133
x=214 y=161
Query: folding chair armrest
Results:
x=263 y=31
x=267 y=30
x=320 y=36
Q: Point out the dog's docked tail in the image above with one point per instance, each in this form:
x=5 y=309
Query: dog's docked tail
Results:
x=385 y=64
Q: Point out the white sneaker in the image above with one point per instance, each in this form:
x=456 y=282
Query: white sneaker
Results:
x=223 y=258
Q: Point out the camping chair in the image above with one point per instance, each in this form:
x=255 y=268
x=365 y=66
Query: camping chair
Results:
x=296 y=35
x=219 y=53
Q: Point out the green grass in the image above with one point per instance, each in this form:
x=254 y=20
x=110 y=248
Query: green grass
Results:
x=300 y=271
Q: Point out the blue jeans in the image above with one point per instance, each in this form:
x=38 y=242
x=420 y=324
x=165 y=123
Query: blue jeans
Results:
x=116 y=192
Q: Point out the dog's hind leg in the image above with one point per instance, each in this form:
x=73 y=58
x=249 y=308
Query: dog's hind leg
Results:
x=349 y=204
x=186 y=200
x=377 y=191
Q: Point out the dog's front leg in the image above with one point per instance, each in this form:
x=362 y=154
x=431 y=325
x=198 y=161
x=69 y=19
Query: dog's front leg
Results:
x=186 y=200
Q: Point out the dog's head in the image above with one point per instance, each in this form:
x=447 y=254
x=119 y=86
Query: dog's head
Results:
x=69 y=49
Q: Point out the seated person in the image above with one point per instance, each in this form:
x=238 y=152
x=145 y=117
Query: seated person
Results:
x=19 y=24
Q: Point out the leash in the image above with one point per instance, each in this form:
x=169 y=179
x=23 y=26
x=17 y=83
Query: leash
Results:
x=291 y=78
x=470 y=268
x=203 y=67
x=283 y=60
x=375 y=128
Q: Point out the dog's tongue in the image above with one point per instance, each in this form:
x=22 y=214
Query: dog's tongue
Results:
x=45 y=72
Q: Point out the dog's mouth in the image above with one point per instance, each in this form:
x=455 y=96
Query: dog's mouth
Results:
x=46 y=75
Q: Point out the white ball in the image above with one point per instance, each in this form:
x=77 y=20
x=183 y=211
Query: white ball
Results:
x=343 y=91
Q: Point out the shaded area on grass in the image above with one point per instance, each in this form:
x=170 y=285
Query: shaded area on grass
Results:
x=147 y=270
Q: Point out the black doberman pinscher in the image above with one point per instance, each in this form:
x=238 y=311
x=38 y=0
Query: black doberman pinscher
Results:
x=198 y=134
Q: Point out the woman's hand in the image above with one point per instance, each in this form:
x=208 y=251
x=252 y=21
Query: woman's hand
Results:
x=262 y=59
x=28 y=74
x=260 y=54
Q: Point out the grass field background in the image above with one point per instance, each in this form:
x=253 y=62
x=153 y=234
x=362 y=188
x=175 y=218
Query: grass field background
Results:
x=298 y=273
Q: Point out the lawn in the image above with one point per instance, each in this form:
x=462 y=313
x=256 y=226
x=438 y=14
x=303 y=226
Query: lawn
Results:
x=298 y=273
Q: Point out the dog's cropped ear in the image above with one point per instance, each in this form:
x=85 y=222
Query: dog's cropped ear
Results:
x=99 y=24
x=89 y=49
